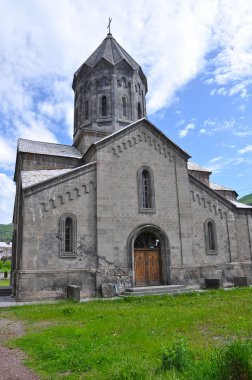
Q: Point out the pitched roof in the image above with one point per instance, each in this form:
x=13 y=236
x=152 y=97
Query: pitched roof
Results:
x=33 y=177
x=239 y=205
x=215 y=186
x=50 y=149
x=132 y=125
x=110 y=50
x=196 y=167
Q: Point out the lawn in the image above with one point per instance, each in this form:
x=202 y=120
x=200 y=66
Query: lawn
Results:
x=160 y=337
x=5 y=282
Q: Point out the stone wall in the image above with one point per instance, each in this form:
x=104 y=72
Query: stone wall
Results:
x=117 y=198
x=42 y=268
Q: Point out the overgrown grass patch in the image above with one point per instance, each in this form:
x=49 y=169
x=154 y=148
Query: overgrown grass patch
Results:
x=136 y=338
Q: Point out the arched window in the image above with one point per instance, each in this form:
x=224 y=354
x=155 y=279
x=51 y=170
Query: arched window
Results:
x=104 y=106
x=86 y=110
x=67 y=235
x=146 y=196
x=124 y=106
x=139 y=110
x=210 y=236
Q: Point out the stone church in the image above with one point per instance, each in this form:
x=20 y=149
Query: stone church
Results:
x=122 y=207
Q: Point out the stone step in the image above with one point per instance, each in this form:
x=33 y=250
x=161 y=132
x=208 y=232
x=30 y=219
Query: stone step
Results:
x=155 y=290
x=5 y=291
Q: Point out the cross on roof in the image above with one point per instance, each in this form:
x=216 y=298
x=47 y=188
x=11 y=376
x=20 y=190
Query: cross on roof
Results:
x=108 y=27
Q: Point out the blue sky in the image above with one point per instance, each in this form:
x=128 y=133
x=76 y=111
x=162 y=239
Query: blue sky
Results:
x=197 y=55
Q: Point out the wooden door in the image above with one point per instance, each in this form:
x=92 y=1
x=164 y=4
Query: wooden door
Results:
x=147 y=267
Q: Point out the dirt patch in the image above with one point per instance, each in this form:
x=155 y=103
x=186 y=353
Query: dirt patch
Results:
x=11 y=360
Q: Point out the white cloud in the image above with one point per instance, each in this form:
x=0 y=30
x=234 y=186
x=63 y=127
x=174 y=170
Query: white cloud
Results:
x=223 y=163
x=244 y=133
x=231 y=126
x=202 y=131
x=7 y=154
x=215 y=159
x=232 y=65
x=184 y=132
x=7 y=198
x=246 y=149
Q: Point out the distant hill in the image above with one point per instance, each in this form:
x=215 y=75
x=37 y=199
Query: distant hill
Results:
x=6 y=232
x=247 y=199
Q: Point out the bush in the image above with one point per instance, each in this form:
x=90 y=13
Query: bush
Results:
x=233 y=362
x=177 y=356
x=7 y=264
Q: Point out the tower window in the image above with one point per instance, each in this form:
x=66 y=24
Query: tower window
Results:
x=146 y=196
x=139 y=110
x=67 y=235
x=210 y=236
x=124 y=106
x=86 y=110
x=76 y=118
x=104 y=106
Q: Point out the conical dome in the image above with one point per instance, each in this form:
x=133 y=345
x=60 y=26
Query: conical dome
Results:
x=110 y=89
x=110 y=50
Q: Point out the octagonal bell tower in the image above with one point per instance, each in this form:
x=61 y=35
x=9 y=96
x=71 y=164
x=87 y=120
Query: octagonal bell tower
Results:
x=110 y=89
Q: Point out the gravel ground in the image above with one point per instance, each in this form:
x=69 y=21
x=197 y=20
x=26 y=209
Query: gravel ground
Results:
x=11 y=360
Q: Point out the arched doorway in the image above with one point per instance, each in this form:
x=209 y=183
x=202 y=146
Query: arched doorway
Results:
x=147 y=262
x=149 y=256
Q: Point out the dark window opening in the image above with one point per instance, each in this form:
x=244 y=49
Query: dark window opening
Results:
x=68 y=235
x=211 y=237
x=86 y=110
x=76 y=118
x=104 y=106
x=139 y=110
x=146 y=240
x=124 y=106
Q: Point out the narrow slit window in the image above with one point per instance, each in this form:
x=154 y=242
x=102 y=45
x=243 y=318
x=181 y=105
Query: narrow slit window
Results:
x=139 y=110
x=211 y=239
x=68 y=235
x=76 y=118
x=146 y=196
x=124 y=104
x=104 y=106
x=86 y=110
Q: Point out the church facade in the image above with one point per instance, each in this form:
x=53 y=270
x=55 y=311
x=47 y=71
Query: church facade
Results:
x=123 y=205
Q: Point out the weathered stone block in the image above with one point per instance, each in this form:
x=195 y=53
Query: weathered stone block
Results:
x=107 y=290
x=241 y=281
x=73 y=292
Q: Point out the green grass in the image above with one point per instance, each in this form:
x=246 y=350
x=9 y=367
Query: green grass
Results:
x=5 y=282
x=6 y=232
x=247 y=199
x=135 y=338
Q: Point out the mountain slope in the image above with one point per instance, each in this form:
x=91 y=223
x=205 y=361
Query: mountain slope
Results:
x=247 y=199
